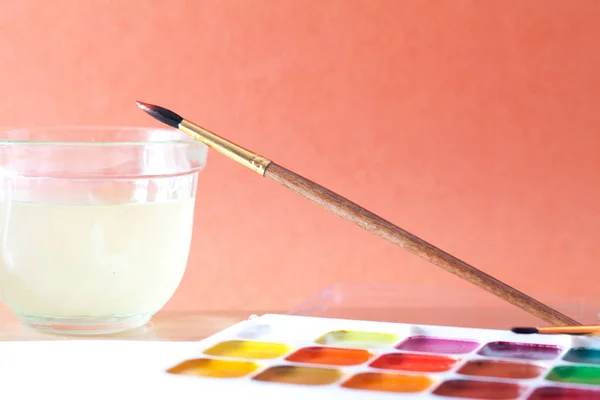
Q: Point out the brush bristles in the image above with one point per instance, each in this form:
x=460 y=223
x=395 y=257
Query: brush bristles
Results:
x=526 y=331
x=162 y=114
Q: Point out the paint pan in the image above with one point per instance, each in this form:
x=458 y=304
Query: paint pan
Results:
x=374 y=381
x=471 y=389
x=248 y=349
x=299 y=375
x=414 y=362
x=501 y=369
x=526 y=351
x=368 y=340
x=209 y=367
x=427 y=344
x=330 y=356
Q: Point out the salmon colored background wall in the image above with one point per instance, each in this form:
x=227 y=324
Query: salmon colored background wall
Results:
x=473 y=124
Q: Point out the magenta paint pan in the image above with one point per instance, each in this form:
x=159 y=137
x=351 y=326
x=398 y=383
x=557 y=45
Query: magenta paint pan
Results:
x=426 y=344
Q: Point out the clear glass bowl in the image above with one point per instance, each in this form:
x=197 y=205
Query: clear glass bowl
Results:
x=458 y=304
x=95 y=224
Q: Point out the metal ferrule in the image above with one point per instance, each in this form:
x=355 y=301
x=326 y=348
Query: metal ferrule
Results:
x=245 y=157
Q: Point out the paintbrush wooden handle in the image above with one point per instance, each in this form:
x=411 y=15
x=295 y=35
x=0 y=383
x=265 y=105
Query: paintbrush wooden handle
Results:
x=377 y=225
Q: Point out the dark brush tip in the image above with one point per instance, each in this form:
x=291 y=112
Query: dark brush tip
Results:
x=526 y=331
x=162 y=114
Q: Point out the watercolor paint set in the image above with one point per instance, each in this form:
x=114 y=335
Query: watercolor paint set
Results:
x=293 y=357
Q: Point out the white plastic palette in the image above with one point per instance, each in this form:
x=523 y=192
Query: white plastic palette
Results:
x=293 y=357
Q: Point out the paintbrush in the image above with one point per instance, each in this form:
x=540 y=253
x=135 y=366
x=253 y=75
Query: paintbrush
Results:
x=558 y=330
x=358 y=215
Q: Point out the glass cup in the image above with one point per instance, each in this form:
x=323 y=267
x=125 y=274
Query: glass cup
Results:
x=95 y=224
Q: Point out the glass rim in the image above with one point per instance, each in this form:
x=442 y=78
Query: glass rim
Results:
x=172 y=136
